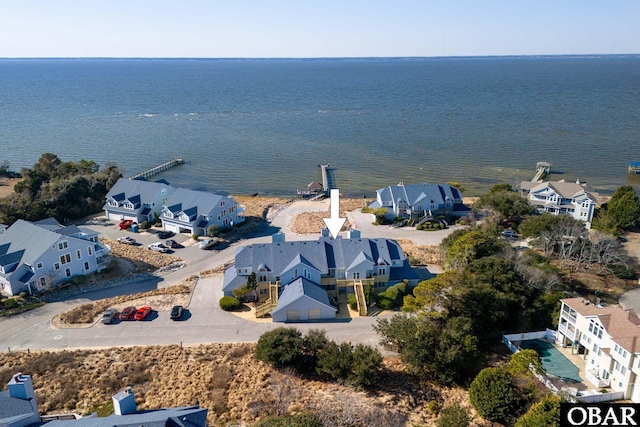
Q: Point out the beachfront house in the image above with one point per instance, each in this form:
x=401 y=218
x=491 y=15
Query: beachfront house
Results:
x=136 y=199
x=609 y=340
x=36 y=255
x=417 y=200
x=561 y=198
x=19 y=408
x=318 y=270
x=192 y=211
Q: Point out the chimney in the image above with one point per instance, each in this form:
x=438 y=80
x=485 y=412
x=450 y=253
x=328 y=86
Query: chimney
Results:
x=124 y=402
x=353 y=234
x=324 y=232
x=21 y=387
x=278 y=237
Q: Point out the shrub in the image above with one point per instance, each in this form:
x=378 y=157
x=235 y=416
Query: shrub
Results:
x=213 y=230
x=352 y=301
x=10 y=303
x=365 y=366
x=229 y=303
x=454 y=416
x=544 y=413
x=366 y=209
x=433 y=406
x=623 y=272
x=23 y=294
x=145 y=225
x=492 y=394
x=240 y=292
x=195 y=237
x=280 y=347
x=393 y=296
x=335 y=360
x=79 y=280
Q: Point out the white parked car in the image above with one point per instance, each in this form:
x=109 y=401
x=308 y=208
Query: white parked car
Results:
x=209 y=243
x=127 y=240
x=158 y=247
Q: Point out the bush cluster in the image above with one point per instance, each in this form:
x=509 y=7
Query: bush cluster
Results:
x=431 y=226
x=392 y=297
x=283 y=348
x=352 y=301
x=229 y=303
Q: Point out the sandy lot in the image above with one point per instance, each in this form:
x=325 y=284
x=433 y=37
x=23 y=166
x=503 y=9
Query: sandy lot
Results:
x=6 y=186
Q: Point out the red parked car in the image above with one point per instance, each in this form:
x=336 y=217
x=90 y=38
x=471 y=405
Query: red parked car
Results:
x=142 y=313
x=128 y=313
x=124 y=224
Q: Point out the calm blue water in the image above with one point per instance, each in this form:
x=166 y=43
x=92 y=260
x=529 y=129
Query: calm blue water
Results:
x=249 y=126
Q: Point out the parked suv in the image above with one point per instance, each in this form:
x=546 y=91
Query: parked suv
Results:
x=164 y=234
x=126 y=240
x=158 y=247
x=128 y=313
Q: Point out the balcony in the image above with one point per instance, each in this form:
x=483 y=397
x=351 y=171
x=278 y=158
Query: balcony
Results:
x=101 y=250
x=593 y=378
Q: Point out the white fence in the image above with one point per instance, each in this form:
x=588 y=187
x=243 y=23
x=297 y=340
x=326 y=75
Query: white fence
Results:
x=595 y=397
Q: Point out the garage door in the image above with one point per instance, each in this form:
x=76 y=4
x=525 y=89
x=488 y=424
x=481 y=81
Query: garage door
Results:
x=115 y=216
x=171 y=227
x=293 y=315
x=314 y=313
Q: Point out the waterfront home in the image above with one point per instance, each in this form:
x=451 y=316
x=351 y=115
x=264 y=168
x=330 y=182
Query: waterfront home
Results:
x=411 y=200
x=19 y=408
x=561 y=198
x=192 y=211
x=36 y=255
x=609 y=340
x=136 y=200
x=332 y=266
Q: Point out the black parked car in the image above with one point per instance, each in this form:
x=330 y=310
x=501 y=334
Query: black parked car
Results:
x=176 y=312
x=164 y=234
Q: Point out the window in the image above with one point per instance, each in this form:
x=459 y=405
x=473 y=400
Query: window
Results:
x=221 y=202
x=86 y=265
x=595 y=328
x=65 y=259
x=39 y=265
x=43 y=282
x=63 y=245
x=68 y=272
x=356 y=274
x=56 y=266
x=78 y=254
x=383 y=271
x=89 y=250
x=262 y=278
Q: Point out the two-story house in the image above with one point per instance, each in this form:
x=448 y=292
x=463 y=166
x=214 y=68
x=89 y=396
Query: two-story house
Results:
x=193 y=211
x=410 y=200
x=36 y=255
x=137 y=200
x=561 y=198
x=609 y=340
x=331 y=265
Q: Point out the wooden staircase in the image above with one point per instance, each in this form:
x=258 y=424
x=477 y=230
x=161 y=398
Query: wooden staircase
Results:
x=358 y=288
x=270 y=304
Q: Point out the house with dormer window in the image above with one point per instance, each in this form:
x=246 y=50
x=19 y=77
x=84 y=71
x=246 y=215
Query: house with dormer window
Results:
x=192 y=211
x=320 y=269
x=561 y=198
x=136 y=199
x=411 y=200
x=36 y=255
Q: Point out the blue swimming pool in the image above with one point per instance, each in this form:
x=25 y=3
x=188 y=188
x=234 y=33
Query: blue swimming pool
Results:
x=554 y=362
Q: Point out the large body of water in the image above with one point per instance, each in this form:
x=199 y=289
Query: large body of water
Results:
x=248 y=126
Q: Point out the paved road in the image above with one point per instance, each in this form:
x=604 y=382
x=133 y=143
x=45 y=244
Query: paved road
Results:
x=204 y=321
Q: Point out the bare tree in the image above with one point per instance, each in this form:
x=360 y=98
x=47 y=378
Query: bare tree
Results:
x=348 y=409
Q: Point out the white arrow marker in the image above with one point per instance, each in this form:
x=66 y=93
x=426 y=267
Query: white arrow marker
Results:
x=335 y=223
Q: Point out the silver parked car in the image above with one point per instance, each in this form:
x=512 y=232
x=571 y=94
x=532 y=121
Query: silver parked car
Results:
x=108 y=315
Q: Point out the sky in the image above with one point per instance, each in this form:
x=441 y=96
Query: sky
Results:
x=318 y=28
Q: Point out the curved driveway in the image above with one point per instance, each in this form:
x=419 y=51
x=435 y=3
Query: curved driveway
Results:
x=204 y=322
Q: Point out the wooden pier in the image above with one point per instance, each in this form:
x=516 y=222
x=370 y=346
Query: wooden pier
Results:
x=160 y=168
x=634 y=168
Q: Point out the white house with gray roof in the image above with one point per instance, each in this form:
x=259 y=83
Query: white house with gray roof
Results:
x=410 y=200
x=136 y=200
x=332 y=265
x=303 y=300
x=35 y=255
x=561 y=198
x=193 y=211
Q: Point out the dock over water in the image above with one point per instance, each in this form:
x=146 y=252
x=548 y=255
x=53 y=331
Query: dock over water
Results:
x=160 y=168
x=542 y=169
x=634 y=168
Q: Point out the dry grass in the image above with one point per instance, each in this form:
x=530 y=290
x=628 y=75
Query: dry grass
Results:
x=258 y=205
x=6 y=186
x=312 y=222
x=225 y=378
x=160 y=299
x=142 y=258
x=421 y=255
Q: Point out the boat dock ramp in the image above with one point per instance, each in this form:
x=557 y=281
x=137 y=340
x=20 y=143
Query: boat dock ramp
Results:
x=317 y=190
x=542 y=169
x=634 y=168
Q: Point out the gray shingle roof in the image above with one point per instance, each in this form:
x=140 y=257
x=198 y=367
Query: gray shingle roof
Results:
x=414 y=193
x=12 y=406
x=172 y=417
x=298 y=289
x=27 y=241
x=135 y=190
x=193 y=202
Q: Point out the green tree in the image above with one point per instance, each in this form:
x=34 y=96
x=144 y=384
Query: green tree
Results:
x=472 y=245
x=545 y=413
x=458 y=358
x=624 y=207
x=280 y=347
x=524 y=360
x=313 y=342
x=365 y=367
x=454 y=416
x=605 y=222
x=509 y=204
x=429 y=295
x=497 y=188
x=535 y=225
x=252 y=282
x=492 y=393
x=334 y=362
x=213 y=230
